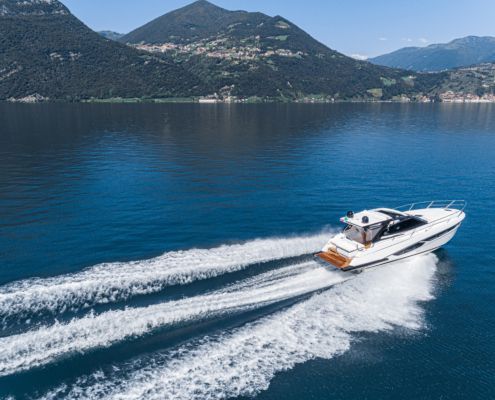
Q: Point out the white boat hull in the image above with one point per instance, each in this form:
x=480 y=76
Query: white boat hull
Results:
x=428 y=248
x=441 y=228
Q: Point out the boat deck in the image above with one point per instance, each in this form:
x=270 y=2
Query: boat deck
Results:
x=334 y=258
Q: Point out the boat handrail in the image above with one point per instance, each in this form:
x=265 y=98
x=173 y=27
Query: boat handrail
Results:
x=445 y=204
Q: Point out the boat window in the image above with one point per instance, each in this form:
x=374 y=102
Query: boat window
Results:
x=354 y=233
x=362 y=235
x=415 y=246
x=404 y=225
x=374 y=231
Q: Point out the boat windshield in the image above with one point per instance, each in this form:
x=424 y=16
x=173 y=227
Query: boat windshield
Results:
x=362 y=235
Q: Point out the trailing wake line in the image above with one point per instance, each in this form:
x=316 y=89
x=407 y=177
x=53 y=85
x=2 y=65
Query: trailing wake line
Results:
x=242 y=361
x=46 y=344
x=111 y=282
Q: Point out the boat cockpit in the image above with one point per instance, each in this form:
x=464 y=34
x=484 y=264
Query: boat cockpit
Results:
x=368 y=227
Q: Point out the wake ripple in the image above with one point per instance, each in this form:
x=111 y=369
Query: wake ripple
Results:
x=112 y=282
x=44 y=345
x=241 y=362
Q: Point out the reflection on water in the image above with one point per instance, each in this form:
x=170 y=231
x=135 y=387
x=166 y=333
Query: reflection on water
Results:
x=81 y=184
x=85 y=184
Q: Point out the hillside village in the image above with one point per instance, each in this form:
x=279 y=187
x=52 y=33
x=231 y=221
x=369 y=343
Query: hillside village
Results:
x=219 y=48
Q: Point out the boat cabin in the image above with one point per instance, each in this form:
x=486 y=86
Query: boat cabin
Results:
x=369 y=226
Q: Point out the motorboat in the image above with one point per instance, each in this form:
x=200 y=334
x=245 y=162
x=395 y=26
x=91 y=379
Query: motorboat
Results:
x=384 y=235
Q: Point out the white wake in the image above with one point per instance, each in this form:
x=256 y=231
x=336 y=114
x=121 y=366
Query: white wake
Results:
x=111 y=282
x=242 y=362
x=41 y=346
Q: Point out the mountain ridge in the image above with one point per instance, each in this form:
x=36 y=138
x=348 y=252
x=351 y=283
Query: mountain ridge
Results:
x=242 y=53
x=198 y=51
x=111 y=35
x=197 y=17
x=461 y=52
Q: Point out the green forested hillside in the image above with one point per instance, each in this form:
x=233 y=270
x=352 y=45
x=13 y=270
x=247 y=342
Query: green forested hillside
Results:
x=252 y=54
x=46 y=51
x=199 y=50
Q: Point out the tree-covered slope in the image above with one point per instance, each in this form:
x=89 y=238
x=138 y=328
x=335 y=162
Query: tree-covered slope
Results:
x=198 y=50
x=193 y=22
x=251 y=54
x=437 y=57
x=46 y=51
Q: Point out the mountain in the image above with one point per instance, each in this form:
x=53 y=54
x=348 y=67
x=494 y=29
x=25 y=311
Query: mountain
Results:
x=462 y=52
x=199 y=50
x=244 y=54
x=195 y=21
x=111 y=35
x=47 y=53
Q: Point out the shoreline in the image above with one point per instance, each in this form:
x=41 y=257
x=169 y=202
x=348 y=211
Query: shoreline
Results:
x=192 y=100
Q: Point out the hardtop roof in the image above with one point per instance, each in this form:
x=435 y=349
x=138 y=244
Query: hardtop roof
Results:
x=374 y=217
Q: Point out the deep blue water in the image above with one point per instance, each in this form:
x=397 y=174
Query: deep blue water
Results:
x=254 y=189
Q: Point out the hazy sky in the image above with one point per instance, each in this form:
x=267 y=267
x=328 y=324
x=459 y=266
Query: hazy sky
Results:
x=354 y=27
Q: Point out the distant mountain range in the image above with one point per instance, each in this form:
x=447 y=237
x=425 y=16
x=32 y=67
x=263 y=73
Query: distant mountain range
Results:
x=462 y=52
x=111 y=35
x=200 y=50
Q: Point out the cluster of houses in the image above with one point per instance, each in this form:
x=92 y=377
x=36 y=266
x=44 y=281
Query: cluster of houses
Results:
x=156 y=48
x=459 y=97
x=217 y=49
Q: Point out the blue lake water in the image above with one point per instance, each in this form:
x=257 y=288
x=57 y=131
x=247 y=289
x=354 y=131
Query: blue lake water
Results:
x=164 y=252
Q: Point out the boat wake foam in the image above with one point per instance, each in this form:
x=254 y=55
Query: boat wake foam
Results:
x=111 y=282
x=44 y=345
x=242 y=361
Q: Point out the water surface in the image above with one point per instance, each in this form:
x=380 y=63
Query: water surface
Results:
x=224 y=205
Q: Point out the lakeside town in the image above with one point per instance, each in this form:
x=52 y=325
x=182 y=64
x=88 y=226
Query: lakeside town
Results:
x=452 y=97
x=446 y=97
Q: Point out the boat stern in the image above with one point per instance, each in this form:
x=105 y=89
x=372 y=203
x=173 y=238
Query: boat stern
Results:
x=334 y=258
